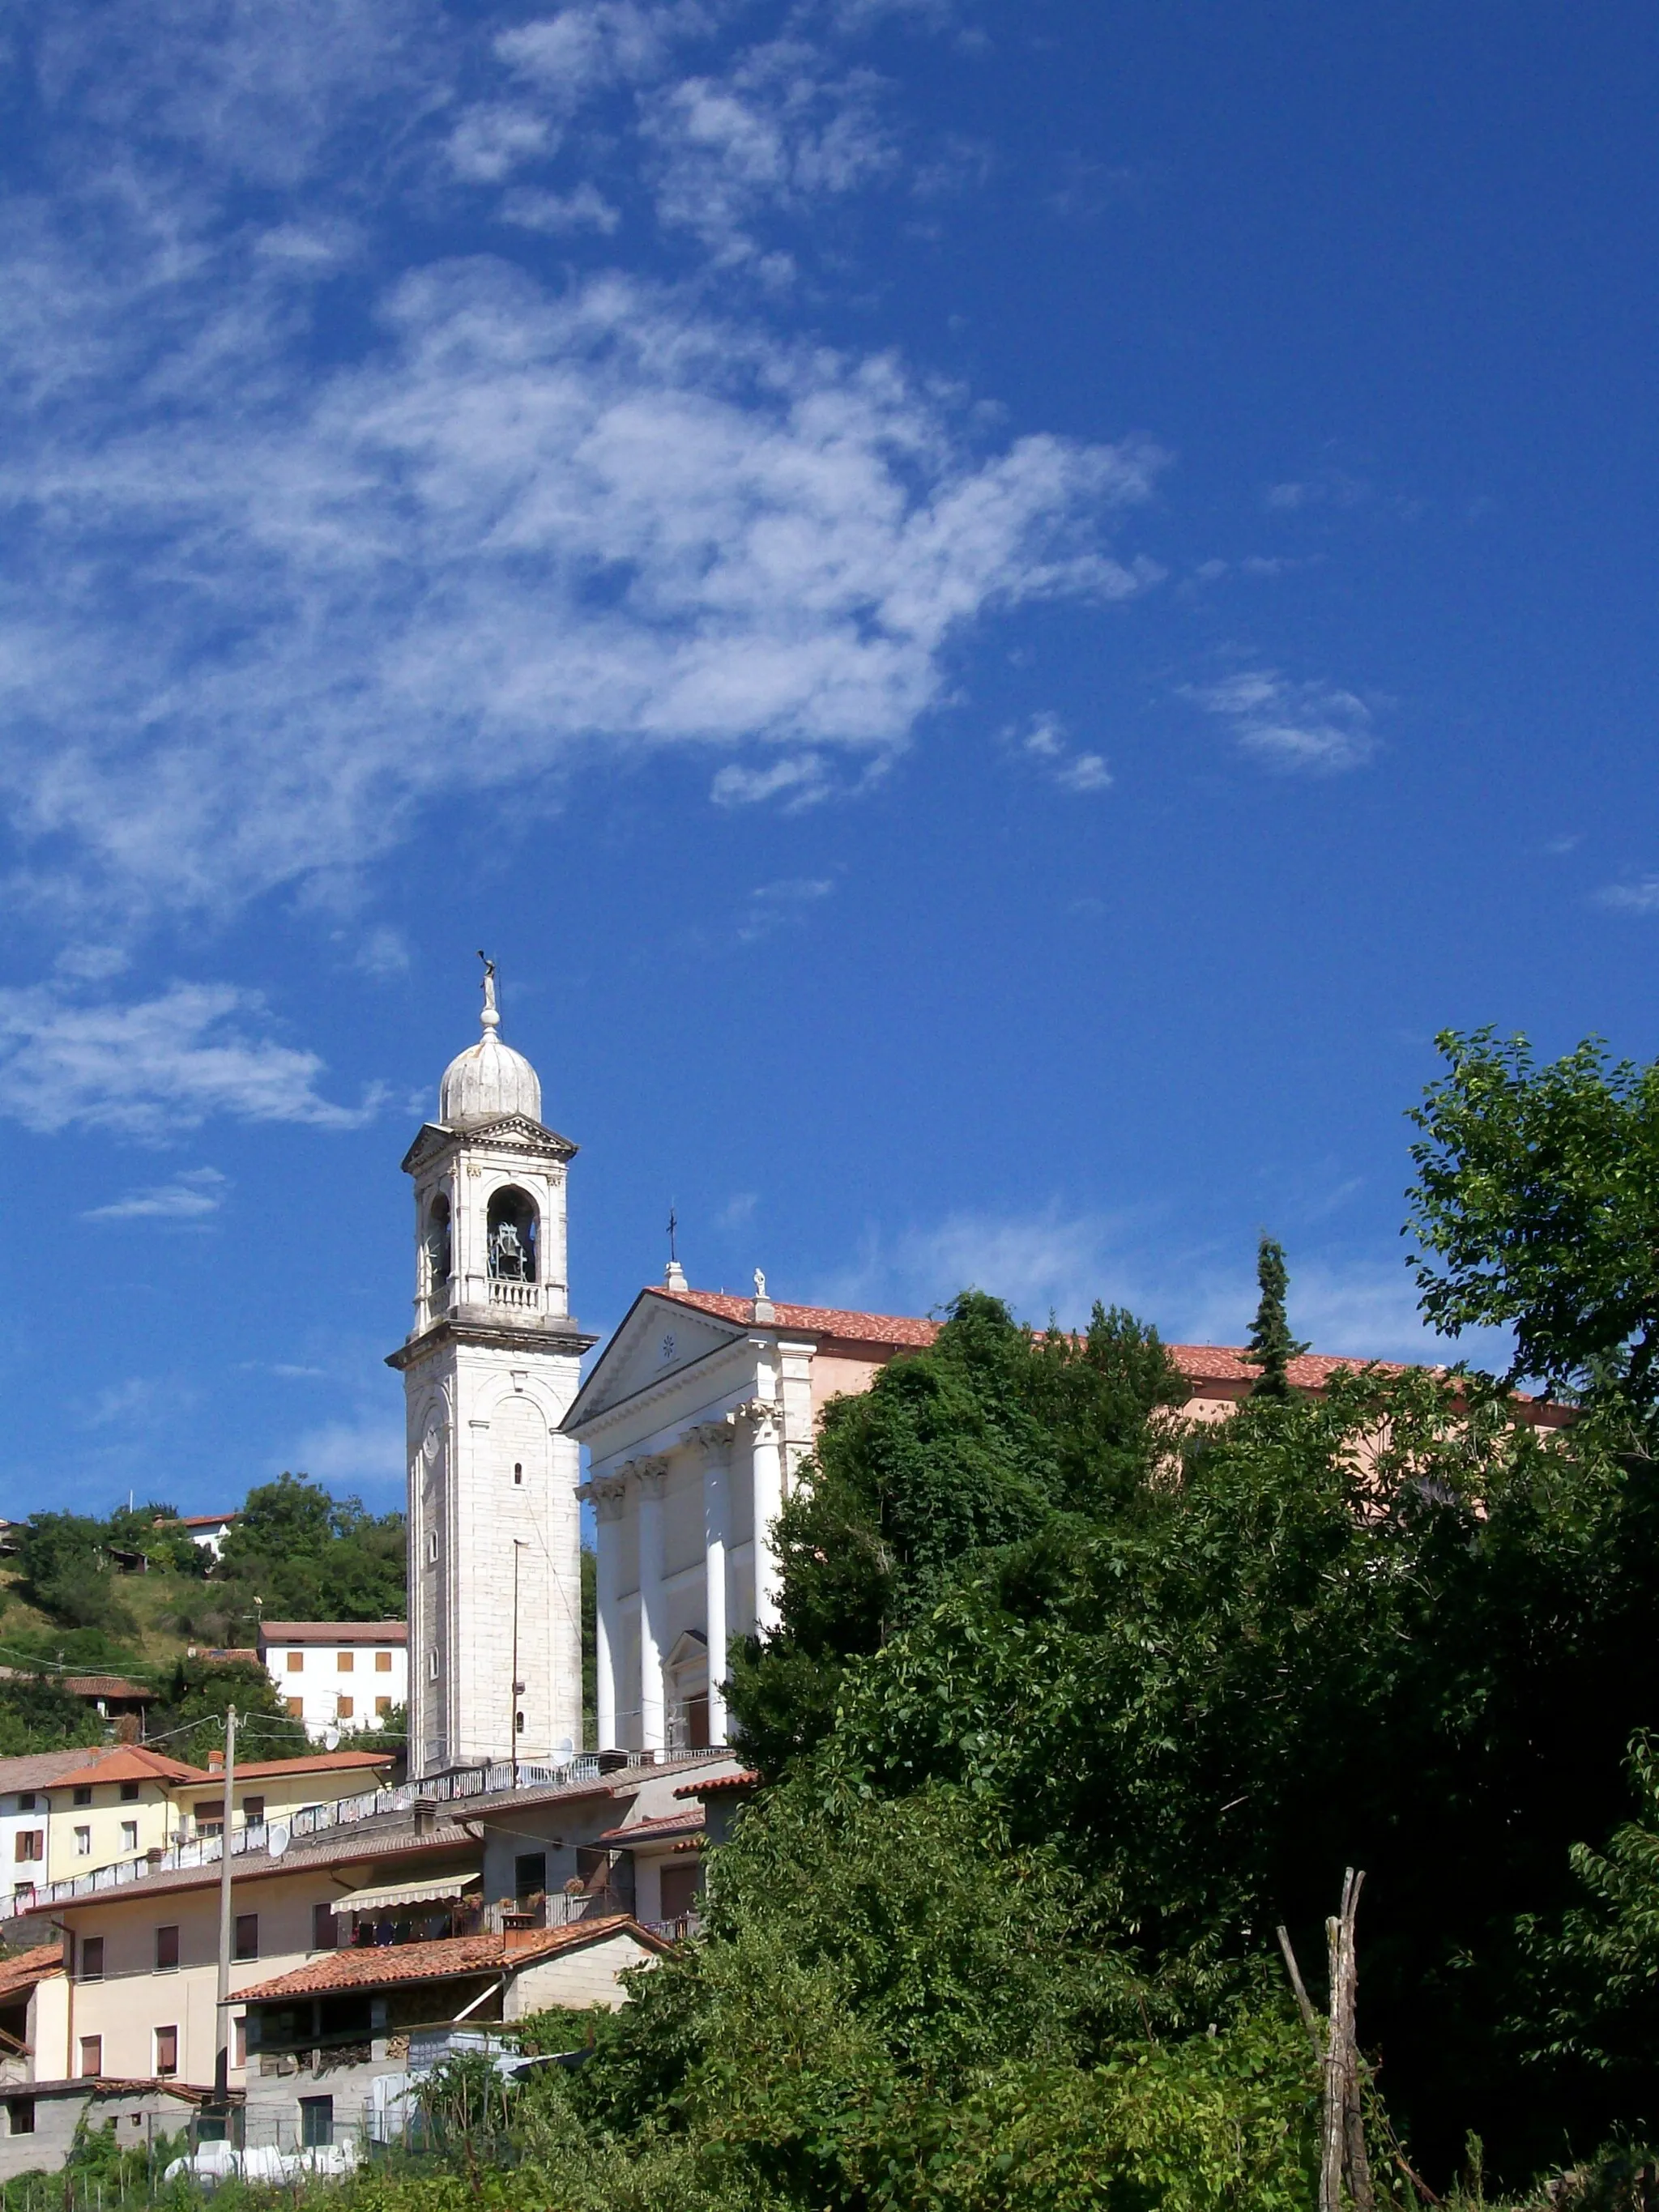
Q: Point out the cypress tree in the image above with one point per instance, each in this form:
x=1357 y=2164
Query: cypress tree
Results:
x=1272 y=1346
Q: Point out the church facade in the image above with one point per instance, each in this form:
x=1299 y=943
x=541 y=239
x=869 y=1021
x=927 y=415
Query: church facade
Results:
x=696 y=1419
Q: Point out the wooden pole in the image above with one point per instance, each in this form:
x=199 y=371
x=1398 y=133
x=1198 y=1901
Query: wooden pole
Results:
x=1342 y=2139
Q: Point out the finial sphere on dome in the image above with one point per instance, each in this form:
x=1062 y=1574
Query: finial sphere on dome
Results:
x=489 y=1080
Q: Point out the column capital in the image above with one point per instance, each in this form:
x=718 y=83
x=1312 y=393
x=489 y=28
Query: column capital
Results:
x=646 y=1471
x=709 y=1436
x=760 y=1414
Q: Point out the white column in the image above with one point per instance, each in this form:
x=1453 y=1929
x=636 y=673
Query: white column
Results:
x=768 y=1447
x=714 y=1542
x=608 y=1513
x=651 y=1716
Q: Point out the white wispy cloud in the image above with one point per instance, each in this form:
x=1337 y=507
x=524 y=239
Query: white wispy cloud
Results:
x=772 y=905
x=1639 y=897
x=532 y=525
x=262 y=603
x=364 y=1451
x=192 y=1195
x=1312 y=726
x=585 y=208
x=1046 y=743
x=151 y=1068
x=778 y=132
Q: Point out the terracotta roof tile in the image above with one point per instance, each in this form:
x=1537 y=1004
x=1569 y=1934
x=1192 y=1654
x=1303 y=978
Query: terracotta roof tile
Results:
x=652 y=1832
x=814 y=1320
x=36 y=1770
x=748 y=1779
x=106 y=1685
x=130 y=1763
x=384 y=1966
x=29 y=1968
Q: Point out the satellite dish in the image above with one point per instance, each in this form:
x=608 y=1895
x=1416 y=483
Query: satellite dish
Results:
x=564 y=1748
x=330 y=1738
x=277 y=1838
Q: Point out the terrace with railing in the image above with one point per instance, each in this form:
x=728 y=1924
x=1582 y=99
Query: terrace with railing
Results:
x=456 y=1785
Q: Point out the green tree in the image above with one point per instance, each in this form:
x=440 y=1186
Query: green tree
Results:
x=66 y=1572
x=197 y=1695
x=1536 y=1209
x=1272 y=1346
x=38 y=1714
x=980 y=1440
x=308 y=1555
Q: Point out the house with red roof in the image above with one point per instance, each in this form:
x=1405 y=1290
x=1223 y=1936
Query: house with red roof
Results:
x=697 y=1416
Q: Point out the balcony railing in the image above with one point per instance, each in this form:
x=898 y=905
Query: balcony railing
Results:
x=455 y=1785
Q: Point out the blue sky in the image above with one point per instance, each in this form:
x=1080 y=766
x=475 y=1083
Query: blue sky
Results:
x=996 y=610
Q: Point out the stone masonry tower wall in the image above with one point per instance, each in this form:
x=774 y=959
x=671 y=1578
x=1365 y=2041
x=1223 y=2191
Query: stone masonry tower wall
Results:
x=490 y=1368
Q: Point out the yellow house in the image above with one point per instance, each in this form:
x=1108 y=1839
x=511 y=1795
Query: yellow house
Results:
x=118 y=1806
x=273 y=1790
x=139 y=2003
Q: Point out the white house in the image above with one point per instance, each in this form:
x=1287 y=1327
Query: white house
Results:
x=26 y=1812
x=338 y=1673
x=696 y=1417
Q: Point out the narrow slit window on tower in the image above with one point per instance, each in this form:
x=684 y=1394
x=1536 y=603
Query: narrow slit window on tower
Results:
x=431 y=1548
x=432 y=1666
x=513 y=1238
x=518 y=1471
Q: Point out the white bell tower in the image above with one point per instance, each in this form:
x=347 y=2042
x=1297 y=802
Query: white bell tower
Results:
x=490 y=1370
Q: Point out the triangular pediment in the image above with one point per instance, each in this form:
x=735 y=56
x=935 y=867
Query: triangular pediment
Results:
x=656 y=1339
x=514 y=1133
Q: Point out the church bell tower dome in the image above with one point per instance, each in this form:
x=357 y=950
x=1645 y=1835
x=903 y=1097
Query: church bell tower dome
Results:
x=488 y=1080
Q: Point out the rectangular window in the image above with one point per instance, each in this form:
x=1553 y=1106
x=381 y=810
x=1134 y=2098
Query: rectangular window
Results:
x=247 y=1936
x=31 y=1845
x=91 y=2056
x=382 y=1707
x=529 y=1873
x=253 y=1811
x=20 y=2115
x=296 y=1708
x=239 y=2040
x=129 y=1835
x=383 y=1663
x=325 y=1928
x=167 y=2051
x=128 y=1793
x=344 y=1708
x=296 y=1663
x=92 y=1959
x=23 y=1892
x=26 y=1801
x=348 y=1662
x=84 y=1843
x=316 y=2122
x=166 y=1950
x=83 y=1793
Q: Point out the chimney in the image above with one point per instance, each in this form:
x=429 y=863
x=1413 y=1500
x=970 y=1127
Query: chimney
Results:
x=521 y=1939
x=426 y=1816
x=215 y=1762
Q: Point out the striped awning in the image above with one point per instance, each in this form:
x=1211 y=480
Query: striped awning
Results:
x=401 y=1893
